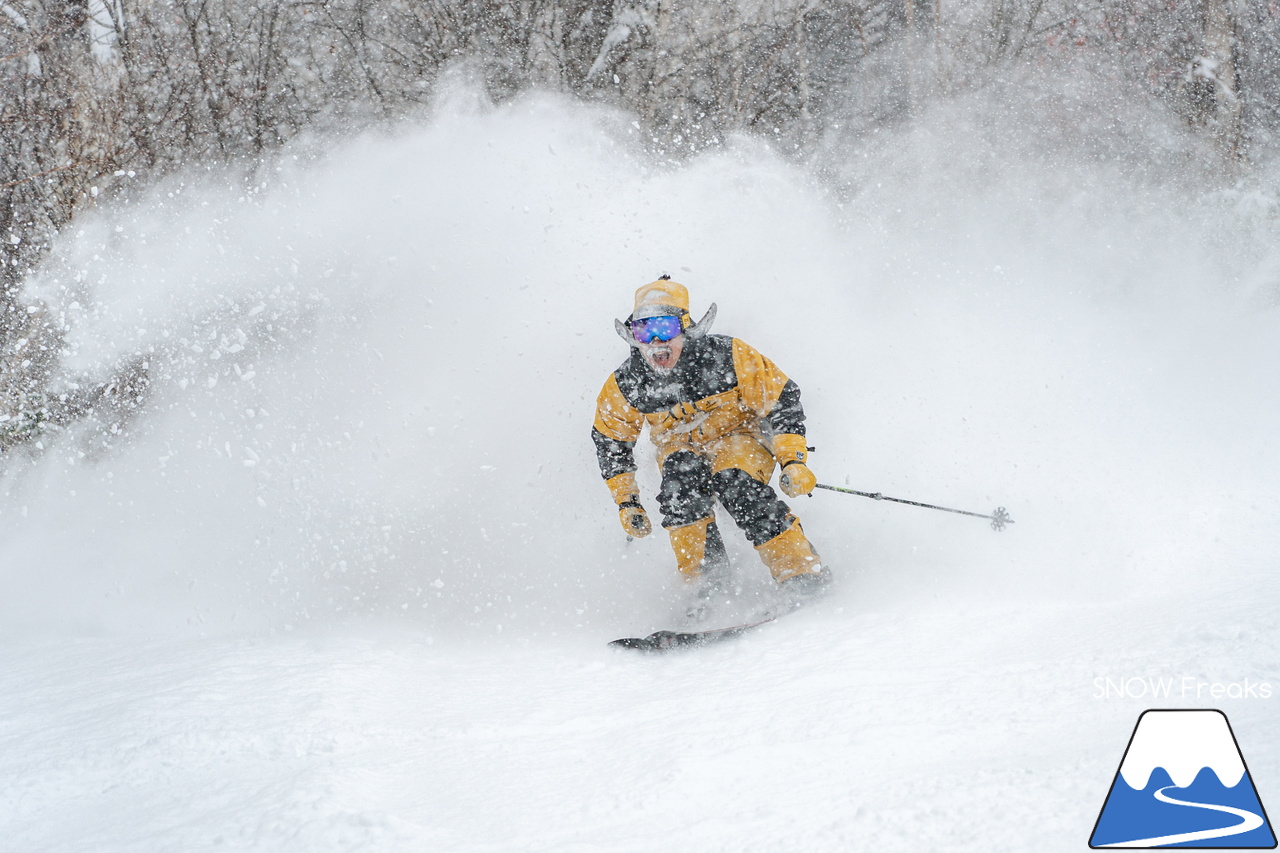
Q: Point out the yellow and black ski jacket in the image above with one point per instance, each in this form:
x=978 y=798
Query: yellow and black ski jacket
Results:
x=720 y=386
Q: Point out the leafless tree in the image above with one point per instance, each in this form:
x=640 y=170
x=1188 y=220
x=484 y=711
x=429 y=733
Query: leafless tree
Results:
x=97 y=95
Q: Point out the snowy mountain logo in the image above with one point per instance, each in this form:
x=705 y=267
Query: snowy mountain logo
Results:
x=1183 y=783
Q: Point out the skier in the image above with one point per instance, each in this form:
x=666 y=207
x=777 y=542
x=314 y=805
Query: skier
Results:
x=720 y=415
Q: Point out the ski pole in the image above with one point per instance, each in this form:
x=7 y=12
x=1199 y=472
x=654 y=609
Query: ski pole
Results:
x=998 y=519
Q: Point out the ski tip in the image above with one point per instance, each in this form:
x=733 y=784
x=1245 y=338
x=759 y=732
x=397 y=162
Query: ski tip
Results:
x=639 y=643
x=658 y=641
x=664 y=641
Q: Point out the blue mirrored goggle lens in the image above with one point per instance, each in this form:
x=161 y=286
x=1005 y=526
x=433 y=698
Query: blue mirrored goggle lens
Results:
x=652 y=329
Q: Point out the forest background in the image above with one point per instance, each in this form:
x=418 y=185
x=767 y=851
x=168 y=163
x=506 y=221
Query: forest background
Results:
x=103 y=98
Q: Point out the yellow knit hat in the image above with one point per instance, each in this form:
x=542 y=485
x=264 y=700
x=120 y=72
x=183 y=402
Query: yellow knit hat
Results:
x=661 y=298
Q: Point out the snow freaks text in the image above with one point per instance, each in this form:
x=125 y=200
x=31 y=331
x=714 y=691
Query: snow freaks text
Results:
x=1184 y=687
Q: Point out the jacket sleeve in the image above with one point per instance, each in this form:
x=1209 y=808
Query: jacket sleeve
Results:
x=767 y=391
x=615 y=431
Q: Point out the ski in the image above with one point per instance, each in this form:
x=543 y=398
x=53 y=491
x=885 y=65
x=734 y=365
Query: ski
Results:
x=665 y=641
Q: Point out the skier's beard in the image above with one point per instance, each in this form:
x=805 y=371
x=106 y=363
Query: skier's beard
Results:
x=662 y=356
x=661 y=359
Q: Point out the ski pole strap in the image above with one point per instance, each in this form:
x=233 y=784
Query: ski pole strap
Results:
x=998 y=519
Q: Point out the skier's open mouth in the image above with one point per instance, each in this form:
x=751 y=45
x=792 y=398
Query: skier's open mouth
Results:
x=661 y=356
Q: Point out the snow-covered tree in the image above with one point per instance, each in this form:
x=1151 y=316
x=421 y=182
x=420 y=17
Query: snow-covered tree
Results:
x=96 y=95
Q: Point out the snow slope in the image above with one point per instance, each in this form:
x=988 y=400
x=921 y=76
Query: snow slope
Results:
x=347 y=582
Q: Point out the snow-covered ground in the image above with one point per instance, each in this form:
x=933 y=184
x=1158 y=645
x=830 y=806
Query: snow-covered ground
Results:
x=347 y=582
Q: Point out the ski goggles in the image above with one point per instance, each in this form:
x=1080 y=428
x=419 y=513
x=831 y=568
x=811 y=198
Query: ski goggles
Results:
x=652 y=329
